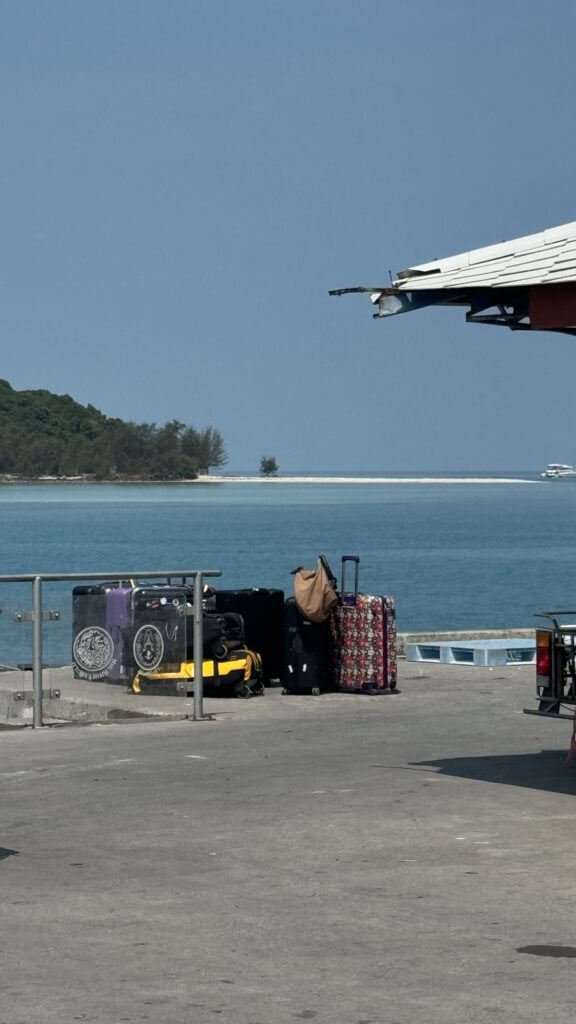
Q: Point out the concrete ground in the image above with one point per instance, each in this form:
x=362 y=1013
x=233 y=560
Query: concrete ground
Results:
x=346 y=860
x=75 y=700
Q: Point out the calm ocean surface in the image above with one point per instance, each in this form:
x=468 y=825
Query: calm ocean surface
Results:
x=455 y=556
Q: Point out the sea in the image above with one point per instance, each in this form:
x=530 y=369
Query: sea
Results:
x=455 y=556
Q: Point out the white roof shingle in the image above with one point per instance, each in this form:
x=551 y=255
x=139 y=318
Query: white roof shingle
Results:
x=544 y=258
x=496 y=282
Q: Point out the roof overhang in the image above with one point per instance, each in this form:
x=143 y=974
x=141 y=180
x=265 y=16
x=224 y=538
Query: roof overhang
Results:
x=527 y=283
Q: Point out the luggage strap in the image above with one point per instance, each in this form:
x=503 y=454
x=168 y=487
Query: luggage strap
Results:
x=253 y=668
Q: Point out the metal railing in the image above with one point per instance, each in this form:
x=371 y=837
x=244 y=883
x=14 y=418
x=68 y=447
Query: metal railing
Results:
x=37 y=617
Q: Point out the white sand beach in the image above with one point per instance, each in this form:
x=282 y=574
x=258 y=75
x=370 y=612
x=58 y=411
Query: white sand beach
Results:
x=362 y=480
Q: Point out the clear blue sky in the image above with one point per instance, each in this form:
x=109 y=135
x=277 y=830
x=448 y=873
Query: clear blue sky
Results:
x=183 y=181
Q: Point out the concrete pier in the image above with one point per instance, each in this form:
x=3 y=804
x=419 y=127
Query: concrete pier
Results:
x=340 y=859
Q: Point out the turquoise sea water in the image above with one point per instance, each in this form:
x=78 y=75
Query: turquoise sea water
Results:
x=454 y=556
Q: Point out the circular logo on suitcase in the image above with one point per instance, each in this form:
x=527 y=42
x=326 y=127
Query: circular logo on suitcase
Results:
x=148 y=648
x=93 y=651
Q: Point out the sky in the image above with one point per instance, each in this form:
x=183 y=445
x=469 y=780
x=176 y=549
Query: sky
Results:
x=183 y=181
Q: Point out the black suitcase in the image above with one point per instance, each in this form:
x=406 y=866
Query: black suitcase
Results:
x=163 y=627
x=161 y=633
x=308 y=653
x=89 y=606
x=263 y=613
x=93 y=647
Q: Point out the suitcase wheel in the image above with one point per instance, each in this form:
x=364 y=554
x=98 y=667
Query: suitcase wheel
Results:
x=286 y=693
x=243 y=691
x=315 y=691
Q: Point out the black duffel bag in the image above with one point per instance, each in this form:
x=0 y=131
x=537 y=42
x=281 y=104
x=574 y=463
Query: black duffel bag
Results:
x=222 y=633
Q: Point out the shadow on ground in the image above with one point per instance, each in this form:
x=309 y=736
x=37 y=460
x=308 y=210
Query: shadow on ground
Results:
x=546 y=770
x=5 y=852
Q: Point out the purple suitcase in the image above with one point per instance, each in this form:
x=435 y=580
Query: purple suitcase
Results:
x=101 y=617
x=118 y=623
x=364 y=632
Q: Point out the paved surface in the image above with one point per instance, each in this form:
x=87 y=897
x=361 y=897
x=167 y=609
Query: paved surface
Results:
x=88 y=702
x=344 y=860
x=82 y=701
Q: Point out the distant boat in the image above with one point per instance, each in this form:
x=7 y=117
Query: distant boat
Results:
x=558 y=471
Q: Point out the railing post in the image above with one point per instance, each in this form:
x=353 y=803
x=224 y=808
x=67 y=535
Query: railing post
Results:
x=37 y=652
x=198 y=648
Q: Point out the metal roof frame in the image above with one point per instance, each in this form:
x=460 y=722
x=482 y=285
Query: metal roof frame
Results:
x=496 y=282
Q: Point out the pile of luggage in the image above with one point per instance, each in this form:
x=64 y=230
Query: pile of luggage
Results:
x=338 y=639
x=127 y=633
x=324 y=638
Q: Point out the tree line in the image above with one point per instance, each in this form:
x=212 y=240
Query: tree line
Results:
x=42 y=434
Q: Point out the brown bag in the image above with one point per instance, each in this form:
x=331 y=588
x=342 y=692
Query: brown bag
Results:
x=314 y=594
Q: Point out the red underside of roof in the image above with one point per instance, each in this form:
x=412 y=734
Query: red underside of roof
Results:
x=552 y=306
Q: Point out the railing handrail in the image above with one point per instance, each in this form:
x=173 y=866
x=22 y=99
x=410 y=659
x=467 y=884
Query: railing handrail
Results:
x=51 y=577
x=37 y=579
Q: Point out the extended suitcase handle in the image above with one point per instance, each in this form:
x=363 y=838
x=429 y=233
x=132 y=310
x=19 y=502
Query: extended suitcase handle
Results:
x=349 y=597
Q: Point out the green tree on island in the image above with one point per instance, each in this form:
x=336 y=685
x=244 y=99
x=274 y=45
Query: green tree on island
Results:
x=205 y=446
x=42 y=434
x=268 y=465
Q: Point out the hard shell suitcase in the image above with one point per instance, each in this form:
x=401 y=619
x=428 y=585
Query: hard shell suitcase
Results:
x=118 y=624
x=364 y=633
x=161 y=631
x=263 y=613
x=308 y=654
x=88 y=624
x=89 y=606
x=95 y=651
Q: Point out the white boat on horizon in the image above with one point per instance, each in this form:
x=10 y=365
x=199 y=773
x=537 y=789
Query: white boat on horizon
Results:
x=558 y=471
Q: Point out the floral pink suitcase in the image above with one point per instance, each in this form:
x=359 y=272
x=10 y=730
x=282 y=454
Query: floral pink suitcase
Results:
x=364 y=633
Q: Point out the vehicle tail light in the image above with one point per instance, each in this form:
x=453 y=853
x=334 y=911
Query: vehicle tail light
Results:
x=543 y=659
